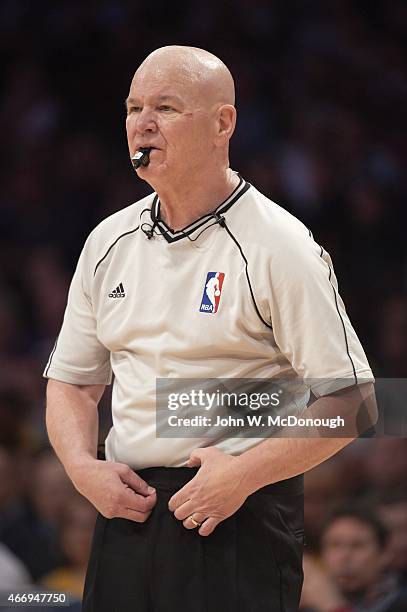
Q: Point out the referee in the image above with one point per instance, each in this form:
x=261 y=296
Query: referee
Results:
x=204 y=278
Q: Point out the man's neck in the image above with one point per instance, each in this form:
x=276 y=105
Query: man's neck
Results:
x=184 y=204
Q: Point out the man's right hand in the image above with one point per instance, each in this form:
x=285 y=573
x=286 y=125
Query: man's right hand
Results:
x=114 y=489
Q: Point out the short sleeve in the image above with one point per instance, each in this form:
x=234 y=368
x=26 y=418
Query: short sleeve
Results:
x=309 y=320
x=78 y=356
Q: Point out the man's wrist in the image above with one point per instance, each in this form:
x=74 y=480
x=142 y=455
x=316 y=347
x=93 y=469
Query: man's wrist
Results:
x=248 y=475
x=75 y=467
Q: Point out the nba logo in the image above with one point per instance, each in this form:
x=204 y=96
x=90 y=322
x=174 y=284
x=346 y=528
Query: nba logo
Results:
x=212 y=292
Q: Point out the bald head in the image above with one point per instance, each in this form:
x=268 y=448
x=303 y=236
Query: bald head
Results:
x=203 y=75
x=181 y=106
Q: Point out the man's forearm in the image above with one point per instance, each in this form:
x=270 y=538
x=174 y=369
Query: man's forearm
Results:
x=279 y=458
x=72 y=421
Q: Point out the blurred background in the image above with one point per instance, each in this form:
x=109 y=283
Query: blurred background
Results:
x=321 y=100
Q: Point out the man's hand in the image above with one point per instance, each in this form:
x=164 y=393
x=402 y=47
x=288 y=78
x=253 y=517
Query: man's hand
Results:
x=114 y=489
x=214 y=494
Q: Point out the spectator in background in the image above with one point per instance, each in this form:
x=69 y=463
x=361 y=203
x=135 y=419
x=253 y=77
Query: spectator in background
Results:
x=76 y=536
x=355 y=559
x=385 y=465
x=13 y=574
x=393 y=513
x=50 y=489
x=325 y=489
x=29 y=520
x=13 y=413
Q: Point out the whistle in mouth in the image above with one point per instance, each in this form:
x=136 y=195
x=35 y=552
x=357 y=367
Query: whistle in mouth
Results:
x=141 y=158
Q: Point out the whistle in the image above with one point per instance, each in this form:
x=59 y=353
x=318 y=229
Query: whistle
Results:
x=141 y=158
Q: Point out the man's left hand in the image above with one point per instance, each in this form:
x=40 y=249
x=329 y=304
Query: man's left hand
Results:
x=214 y=494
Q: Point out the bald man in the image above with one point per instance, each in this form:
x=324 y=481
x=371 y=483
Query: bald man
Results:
x=204 y=278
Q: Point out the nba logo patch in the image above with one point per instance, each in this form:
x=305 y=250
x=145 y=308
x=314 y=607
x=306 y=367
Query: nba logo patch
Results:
x=212 y=292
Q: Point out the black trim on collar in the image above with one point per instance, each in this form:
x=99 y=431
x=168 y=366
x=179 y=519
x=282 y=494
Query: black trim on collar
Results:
x=172 y=236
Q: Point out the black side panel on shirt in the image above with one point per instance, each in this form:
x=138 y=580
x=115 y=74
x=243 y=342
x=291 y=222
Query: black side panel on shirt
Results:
x=247 y=276
x=112 y=245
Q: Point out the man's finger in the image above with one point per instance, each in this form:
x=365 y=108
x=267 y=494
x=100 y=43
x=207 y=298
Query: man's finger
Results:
x=198 y=518
x=200 y=455
x=208 y=526
x=185 y=510
x=137 y=502
x=194 y=459
x=180 y=497
x=135 y=482
x=133 y=515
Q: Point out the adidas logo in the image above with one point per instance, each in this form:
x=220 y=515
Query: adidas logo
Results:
x=118 y=292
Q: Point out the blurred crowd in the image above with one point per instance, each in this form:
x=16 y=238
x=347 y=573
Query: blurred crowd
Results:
x=321 y=90
x=356 y=530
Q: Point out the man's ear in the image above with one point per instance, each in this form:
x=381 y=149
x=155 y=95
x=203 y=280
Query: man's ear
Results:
x=226 y=123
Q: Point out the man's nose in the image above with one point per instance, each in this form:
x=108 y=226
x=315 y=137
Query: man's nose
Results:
x=146 y=121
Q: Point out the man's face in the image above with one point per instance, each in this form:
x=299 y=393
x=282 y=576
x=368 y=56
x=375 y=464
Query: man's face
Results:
x=351 y=554
x=167 y=111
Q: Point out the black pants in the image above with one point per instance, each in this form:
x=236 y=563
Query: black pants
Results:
x=252 y=562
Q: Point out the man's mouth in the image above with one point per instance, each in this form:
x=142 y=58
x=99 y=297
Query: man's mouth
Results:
x=147 y=148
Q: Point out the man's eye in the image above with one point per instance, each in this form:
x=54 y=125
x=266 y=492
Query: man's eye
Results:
x=163 y=107
x=133 y=109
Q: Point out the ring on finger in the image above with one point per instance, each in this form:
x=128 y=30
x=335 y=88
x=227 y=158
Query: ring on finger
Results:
x=194 y=522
